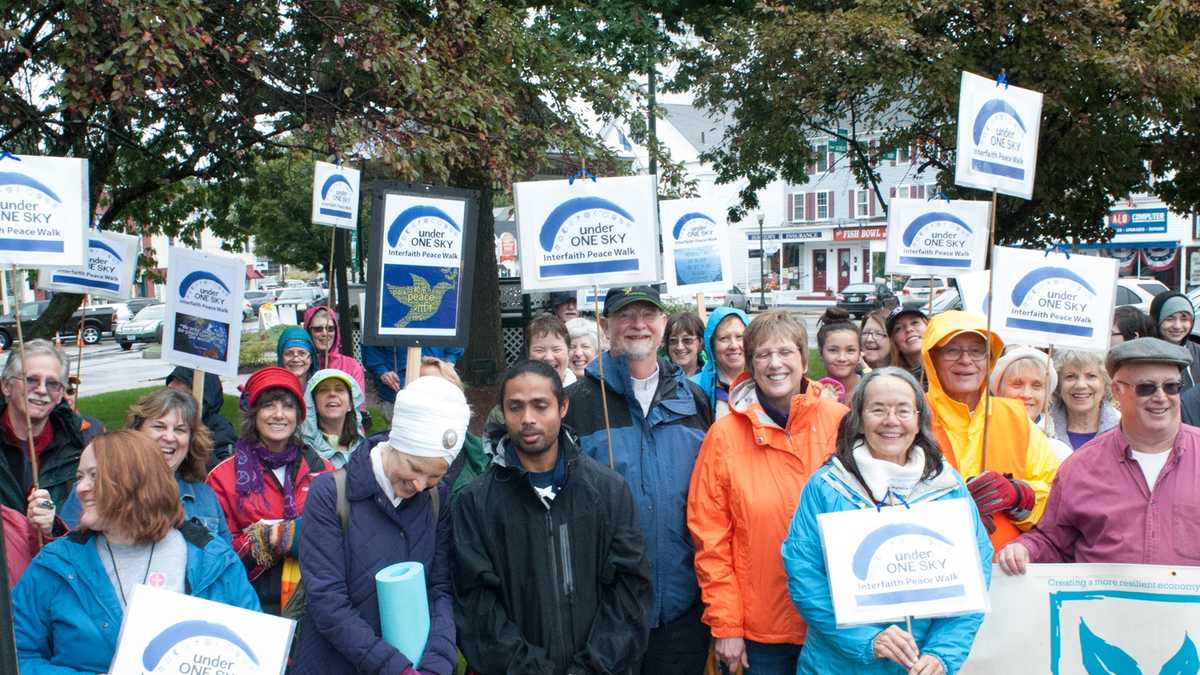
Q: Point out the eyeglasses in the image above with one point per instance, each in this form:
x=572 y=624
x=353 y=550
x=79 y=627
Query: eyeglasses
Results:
x=1148 y=389
x=321 y=329
x=874 y=334
x=953 y=354
x=765 y=357
x=688 y=341
x=902 y=413
x=34 y=383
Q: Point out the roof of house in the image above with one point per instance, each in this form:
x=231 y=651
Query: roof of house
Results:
x=701 y=128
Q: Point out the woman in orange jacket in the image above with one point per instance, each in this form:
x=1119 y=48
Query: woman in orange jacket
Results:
x=752 y=467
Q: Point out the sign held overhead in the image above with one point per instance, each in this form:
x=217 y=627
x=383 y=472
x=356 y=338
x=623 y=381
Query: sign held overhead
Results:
x=44 y=210
x=998 y=128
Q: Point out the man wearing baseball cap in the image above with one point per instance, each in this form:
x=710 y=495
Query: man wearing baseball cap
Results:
x=563 y=305
x=657 y=420
x=1130 y=494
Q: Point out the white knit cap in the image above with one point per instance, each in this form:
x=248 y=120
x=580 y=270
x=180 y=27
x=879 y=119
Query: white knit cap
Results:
x=430 y=419
x=1014 y=354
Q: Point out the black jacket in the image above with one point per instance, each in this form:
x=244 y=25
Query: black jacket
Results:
x=56 y=464
x=542 y=591
x=223 y=434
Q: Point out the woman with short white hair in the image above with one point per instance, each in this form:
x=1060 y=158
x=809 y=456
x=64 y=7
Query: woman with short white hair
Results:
x=585 y=342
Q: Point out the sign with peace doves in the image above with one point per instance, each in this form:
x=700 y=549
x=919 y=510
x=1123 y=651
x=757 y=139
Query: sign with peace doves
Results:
x=587 y=232
x=936 y=237
x=998 y=127
x=695 y=247
x=108 y=272
x=890 y=564
x=421 y=258
x=335 y=195
x=203 y=327
x=166 y=632
x=44 y=210
x=1043 y=299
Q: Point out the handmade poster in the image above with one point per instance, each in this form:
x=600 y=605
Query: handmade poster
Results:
x=1074 y=619
x=335 y=195
x=108 y=272
x=936 y=237
x=998 y=128
x=422 y=256
x=1041 y=298
x=203 y=326
x=44 y=210
x=695 y=247
x=587 y=232
x=167 y=632
x=588 y=299
x=973 y=289
x=891 y=563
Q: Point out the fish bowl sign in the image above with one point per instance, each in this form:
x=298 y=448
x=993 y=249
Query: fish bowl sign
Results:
x=888 y=564
x=203 y=325
x=44 y=210
x=695 y=247
x=936 y=237
x=335 y=195
x=587 y=232
x=998 y=127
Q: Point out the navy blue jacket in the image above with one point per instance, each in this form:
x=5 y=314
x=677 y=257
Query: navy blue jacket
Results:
x=340 y=631
x=655 y=453
x=378 y=361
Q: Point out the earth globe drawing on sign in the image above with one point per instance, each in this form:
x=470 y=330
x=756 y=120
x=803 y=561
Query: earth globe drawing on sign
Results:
x=419 y=297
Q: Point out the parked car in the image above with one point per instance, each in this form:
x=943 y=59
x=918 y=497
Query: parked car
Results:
x=918 y=289
x=1138 y=291
x=859 y=299
x=302 y=298
x=96 y=322
x=146 y=326
x=121 y=308
x=138 y=304
x=947 y=301
x=258 y=299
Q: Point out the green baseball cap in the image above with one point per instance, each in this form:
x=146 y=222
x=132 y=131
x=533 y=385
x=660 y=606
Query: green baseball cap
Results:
x=619 y=298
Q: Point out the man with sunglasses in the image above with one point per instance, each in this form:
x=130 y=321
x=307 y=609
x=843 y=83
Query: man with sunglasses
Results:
x=1130 y=495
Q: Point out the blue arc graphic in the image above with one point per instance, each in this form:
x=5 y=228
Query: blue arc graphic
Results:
x=565 y=210
x=165 y=641
x=96 y=243
x=871 y=543
x=924 y=219
x=334 y=180
x=1041 y=274
x=14 y=178
x=685 y=218
x=199 y=276
x=994 y=107
x=412 y=213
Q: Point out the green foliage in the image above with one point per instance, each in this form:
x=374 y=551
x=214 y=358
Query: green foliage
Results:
x=258 y=348
x=112 y=407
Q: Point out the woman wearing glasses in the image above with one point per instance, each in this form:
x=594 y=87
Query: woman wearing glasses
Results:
x=747 y=481
x=295 y=353
x=683 y=334
x=886 y=455
x=876 y=347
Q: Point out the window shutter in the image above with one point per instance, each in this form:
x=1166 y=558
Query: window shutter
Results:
x=812 y=168
x=791 y=202
x=912 y=154
x=920 y=189
x=830 y=164
x=810 y=206
x=829 y=201
x=871 y=202
x=851 y=203
x=892 y=193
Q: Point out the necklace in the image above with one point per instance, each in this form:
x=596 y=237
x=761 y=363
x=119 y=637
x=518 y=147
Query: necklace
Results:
x=117 y=572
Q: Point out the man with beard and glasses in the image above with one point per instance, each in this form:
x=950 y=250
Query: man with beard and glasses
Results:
x=647 y=422
x=550 y=571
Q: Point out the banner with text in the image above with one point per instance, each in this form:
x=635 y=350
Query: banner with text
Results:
x=108 y=272
x=44 y=210
x=335 y=195
x=203 y=326
x=1042 y=299
x=589 y=232
x=998 y=127
x=695 y=247
x=1073 y=619
x=888 y=564
x=936 y=237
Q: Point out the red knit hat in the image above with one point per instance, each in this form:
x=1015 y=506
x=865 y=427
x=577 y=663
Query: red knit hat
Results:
x=273 y=377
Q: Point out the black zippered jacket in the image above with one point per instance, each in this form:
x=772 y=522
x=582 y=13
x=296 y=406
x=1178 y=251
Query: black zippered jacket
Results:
x=548 y=591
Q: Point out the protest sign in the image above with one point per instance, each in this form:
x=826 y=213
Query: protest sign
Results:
x=936 y=237
x=44 y=210
x=998 y=128
x=1042 y=299
x=587 y=299
x=203 y=326
x=888 y=564
x=695 y=247
x=421 y=258
x=1069 y=618
x=973 y=290
x=335 y=195
x=586 y=233
x=166 y=632
x=107 y=273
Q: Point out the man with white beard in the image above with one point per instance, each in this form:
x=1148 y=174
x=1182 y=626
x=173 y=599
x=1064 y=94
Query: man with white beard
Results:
x=656 y=419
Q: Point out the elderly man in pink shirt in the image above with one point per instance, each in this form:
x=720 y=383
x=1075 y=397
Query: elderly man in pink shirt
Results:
x=1132 y=494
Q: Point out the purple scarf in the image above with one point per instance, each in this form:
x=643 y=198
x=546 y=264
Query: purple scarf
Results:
x=250 y=457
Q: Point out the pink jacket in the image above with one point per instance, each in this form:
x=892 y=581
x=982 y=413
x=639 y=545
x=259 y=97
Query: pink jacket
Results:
x=1100 y=509
x=20 y=543
x=334 y=358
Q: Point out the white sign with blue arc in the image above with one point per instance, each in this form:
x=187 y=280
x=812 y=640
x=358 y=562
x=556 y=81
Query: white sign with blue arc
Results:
x=585 y=232
x=695 y=246
x=108 y=273
x=335 y=195
x=888 y=564
x=936 y=237
x=1057 y=299
x=44 y=210
x=422 y=265
x=203 y=326
x=998 y=128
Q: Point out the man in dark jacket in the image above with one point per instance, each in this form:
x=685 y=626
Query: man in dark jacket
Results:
x=656 y=419
x=550 y=572
x=223 y=433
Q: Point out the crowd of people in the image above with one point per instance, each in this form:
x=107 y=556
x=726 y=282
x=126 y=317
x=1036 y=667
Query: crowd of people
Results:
x=644 y=497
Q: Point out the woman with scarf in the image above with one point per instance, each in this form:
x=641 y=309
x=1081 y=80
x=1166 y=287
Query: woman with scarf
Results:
x=262 y=488
x=885 y=455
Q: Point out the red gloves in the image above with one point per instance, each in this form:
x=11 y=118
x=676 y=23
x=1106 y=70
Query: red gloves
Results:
x=994 y=492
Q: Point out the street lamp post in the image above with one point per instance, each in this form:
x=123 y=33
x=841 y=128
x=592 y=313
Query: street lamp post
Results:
x=762 y=258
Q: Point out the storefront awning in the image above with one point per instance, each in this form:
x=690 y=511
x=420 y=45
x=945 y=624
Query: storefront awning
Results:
x=1115 y=245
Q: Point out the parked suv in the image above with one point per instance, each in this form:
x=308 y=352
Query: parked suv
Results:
x=917 y=290
x=860 y=299
x=96 y=322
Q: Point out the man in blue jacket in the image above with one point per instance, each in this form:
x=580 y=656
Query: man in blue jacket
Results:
x=656 y=420
x=387 y=367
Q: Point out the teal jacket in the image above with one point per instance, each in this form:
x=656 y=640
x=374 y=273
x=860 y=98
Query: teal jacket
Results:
x=310 y=429
x=708 y=378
